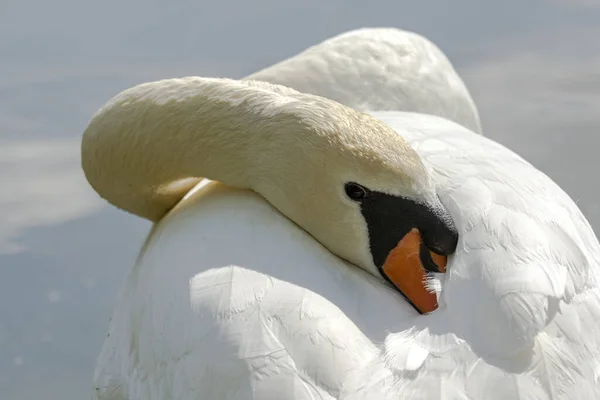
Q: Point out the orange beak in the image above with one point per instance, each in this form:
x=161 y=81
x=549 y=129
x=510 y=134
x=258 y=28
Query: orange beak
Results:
x=404 y=268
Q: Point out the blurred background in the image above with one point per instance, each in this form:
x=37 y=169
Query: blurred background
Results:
x=533 y=68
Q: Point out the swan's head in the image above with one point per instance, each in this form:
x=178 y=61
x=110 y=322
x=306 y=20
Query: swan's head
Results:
x=346 y=178
x=359 y=188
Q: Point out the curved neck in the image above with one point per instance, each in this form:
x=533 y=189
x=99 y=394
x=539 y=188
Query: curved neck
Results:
x=141 y=145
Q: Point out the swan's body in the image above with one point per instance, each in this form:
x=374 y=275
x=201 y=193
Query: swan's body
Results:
x=231 y=300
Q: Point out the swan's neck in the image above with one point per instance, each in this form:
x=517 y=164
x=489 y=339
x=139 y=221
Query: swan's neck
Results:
x=140 y=148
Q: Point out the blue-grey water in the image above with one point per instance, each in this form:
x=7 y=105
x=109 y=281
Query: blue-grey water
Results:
x=533 y=68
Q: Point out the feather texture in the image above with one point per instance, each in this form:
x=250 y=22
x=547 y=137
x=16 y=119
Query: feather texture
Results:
x=213 y=309
x=230 y=300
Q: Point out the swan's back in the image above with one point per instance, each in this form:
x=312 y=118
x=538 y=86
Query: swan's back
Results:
x=379 y=69
x=521 y=297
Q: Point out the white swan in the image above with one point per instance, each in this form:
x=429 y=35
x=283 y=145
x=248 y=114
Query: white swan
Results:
x=229 y=299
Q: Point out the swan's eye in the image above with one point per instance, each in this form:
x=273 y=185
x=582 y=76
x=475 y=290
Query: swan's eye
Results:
x=355 y=192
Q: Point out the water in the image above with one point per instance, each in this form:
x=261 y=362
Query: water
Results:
x=532 y=68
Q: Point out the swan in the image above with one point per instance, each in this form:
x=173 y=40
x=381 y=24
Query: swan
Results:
x=234 y=296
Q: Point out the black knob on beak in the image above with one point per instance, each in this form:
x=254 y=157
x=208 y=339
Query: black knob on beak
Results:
x=439 y=233
x=437 y=228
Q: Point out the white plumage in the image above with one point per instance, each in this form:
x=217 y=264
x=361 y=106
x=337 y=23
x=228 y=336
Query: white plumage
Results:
x=382 y=69
x=231 y=300
x=521 y=298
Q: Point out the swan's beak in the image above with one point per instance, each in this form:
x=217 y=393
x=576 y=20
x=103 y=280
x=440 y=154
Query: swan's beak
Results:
x=406 y=267
x=407 y=239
